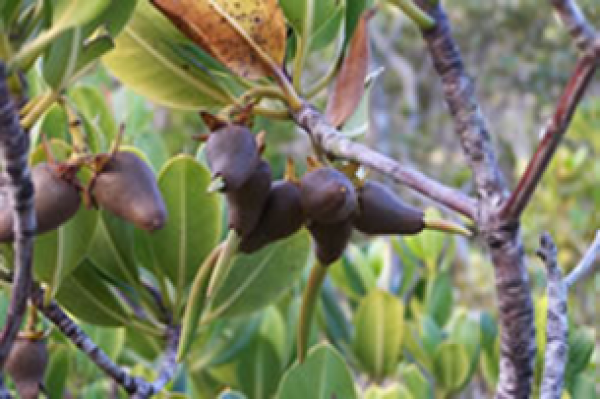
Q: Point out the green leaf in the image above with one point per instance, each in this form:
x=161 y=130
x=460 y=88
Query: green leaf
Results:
x=395 y=391
x=584 y=387
x=259 y=369
x=55 y=124
x=336 y=322
x=259 y=279
x=110 y=340
x=379 y=327
x=85 y=294
x=489 y=331
x=273 y=329
x=431 y=334
x=358 y=123
x=581 y=347
x=66 y=14
x=451 y=366
x=116 y=15
x=328 y=30
x=112 y=249
x=59 y=252
x=146 y=60
x=61 y=59
x=193 y=226
x=91 y=51
x=415 y=381
x=298 y=15
x=439 y=300
x=354 y=9
x=232 y=395
x=466 y=332
x=55 y=378
x=91 y=103
x=324 y=375
x=415 y=347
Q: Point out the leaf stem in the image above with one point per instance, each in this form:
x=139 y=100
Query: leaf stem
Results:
x=303 y=44
x=223 y=265
x=40 y=107
x=307 y=310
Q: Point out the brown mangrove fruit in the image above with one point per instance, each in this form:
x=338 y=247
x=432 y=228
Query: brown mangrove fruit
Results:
x=56 y=201
x=26 y=365
x=327 y=196
x=127 y=187
x=381 y=211
x=330 y=239
x=245 y=205
x=281 y=217
x=232 y=156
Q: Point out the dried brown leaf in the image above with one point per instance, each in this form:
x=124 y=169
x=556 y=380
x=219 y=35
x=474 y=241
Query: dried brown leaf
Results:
x=202 y=22
x=349 y=86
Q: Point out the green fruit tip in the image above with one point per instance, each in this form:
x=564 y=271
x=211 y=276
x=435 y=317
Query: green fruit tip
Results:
x=446 y=226
x=216 y=184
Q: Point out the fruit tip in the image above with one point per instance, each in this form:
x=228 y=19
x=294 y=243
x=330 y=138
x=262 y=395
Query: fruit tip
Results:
x=447 y=227
x=216 y=184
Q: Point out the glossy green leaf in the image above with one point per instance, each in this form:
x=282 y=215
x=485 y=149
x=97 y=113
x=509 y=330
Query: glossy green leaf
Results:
x=395 y=391
x=581 y=347
x=259 y=369
x=328 y=30
x=416 y=382
x=451 y=366
x=428 y=245
x=85 y=294
x=59 y=252
x=145 y=59
x=55 y=379
x=273 y=329
x=414 y=345
x=258 y=279
x=440 y=298
x=466 y=332
x=142 y=345
x=584 y=387
x=55 y=124
x=297 y=13
x=358 y=123
x=66 y=14
x=112 y=248
x=193 y=226
x=336 y=323
x=431 y=335
x=379 y=328
x=61 y=59
x=92 y=51
x=489 y=331
x=110 y=340
x=324 y=375
x=116 y=15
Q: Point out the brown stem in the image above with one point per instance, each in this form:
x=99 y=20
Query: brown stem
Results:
x=571 y=16
x=552 y=135
x=14 y=149
x=557 y=325
x=334 y=143
x=516 y=317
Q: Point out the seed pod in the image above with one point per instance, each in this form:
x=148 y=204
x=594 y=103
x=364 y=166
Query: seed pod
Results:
x=330 y=239
x=383 y=212
x=56 y=201
x=126 y=186
x=246 y=204
x=327 y=196
x=26 y=365
x=281 y=217
x=232 y=154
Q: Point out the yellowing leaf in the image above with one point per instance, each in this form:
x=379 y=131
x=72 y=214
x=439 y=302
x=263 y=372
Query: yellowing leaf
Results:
x=350 y=83
x=204 y=23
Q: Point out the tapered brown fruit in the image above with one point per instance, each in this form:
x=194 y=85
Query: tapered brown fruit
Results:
x=330 y=239
x=327 y=196
x=281 y=217
x=381 y=211
x=26 y=365
x=232 y=155
x=246 y=204
x=56 y=201
x=127 y=187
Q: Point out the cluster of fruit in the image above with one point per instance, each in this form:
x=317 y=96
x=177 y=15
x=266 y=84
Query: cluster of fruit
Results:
x=122 y=184
x=325 y=199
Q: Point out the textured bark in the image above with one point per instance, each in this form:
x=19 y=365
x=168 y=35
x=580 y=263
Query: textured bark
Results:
x=83 y=342
x=334 y=143
x=14 y=149
x=516 y=317
x=167 y=369
x=557 y=324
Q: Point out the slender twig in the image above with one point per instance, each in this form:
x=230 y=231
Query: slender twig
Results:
x=589 y=264
x=53 y=312
x=552 y=135
x=14 y=149
x=334 y=143
x=516 y=315
x=557 y=326
x=167 y=369
x=571 y=16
